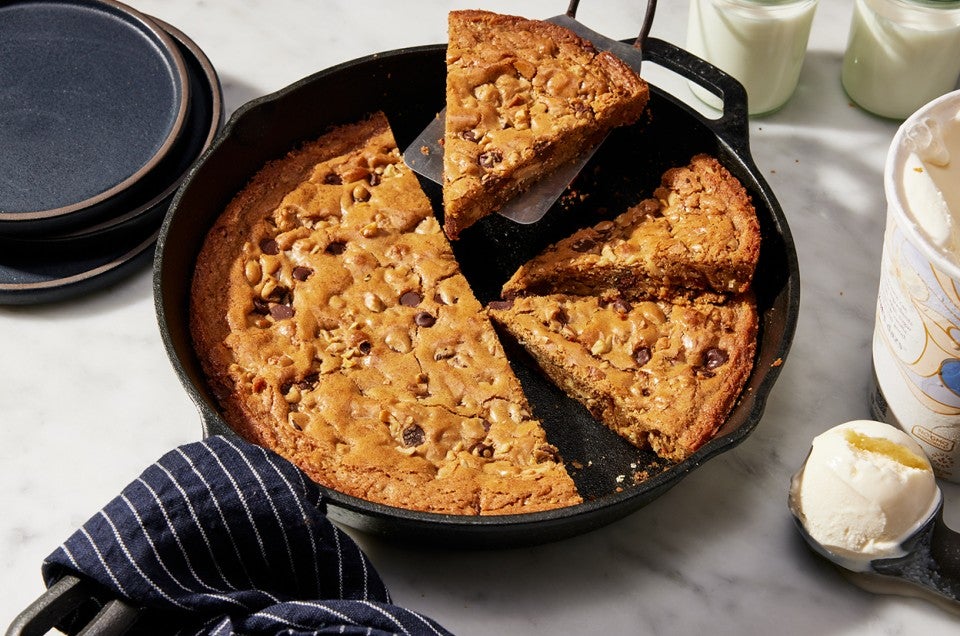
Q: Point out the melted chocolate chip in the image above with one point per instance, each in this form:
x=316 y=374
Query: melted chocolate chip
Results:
x=482 y=450
x=642 y=355
x=336 y=247
x=413 y=435
x=269 y=246
x=410 y=299
x=281 y=312
x=333 y=179
x=500 y=305
x=374 y=179
x=423 y=319
x=621 y=306
x=490 y=158
x=584 y=244
x=469 y=135
x=261 y=306
x=365 y=347
x=309 y=381
x=713 y=358
x=301 y=273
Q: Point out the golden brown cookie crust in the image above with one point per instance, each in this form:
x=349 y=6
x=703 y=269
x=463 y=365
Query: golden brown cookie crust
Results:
x=335 y=327
x=662 y=375
x=698 y=234
x=523 y=97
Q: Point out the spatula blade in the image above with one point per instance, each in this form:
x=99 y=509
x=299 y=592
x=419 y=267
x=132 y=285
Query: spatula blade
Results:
x=424 y=155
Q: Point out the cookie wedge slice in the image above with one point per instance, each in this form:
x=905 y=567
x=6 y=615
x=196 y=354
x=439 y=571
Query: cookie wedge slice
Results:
x=335 y=327
x=522 y=97
x=698 y=233
x=662 y=375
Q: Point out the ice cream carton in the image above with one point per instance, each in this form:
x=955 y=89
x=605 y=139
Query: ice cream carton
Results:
x=916 y=343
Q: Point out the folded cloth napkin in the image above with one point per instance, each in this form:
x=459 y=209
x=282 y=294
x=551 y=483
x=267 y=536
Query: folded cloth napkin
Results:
x=223 y=537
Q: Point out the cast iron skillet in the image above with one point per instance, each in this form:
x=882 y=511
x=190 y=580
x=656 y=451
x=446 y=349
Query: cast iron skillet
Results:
x=408 y=85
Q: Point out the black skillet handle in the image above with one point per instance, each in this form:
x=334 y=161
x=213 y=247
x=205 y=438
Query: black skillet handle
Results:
x=732 y=126
x=62 y=599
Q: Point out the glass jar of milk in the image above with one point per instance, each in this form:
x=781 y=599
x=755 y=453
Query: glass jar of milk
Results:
x=761 y=43
x=901 y=54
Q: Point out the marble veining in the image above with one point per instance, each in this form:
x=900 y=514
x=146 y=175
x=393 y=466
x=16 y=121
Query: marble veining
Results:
x=88 y=396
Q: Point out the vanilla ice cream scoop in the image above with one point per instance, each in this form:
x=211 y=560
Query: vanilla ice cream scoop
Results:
x=866 y=499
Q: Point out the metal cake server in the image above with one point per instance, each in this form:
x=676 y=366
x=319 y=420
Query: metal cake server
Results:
x=425 y=154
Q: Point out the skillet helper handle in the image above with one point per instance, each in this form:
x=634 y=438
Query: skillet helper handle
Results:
x=62 y=598
x=732 y=125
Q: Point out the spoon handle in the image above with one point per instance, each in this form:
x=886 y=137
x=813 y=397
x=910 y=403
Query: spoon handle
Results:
x=945 y=554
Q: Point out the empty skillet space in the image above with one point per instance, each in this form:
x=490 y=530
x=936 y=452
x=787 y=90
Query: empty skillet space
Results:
x=92 y=98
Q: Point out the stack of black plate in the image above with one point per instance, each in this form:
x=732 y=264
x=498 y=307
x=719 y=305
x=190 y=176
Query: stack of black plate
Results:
x=102 y=112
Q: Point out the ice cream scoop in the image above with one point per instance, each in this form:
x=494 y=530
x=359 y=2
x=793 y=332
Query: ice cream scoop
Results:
x=867 y=500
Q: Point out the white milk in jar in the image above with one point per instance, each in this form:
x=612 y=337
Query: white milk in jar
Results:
x=916 y=342
x=761 y=43
x=901 y=54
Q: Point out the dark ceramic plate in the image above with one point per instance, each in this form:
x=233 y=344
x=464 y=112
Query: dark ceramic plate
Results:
x=408 y=85
x=51 y=268
x=95 y=96
x=204 y=120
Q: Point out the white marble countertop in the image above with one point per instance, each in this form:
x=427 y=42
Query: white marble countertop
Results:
x=89 y=398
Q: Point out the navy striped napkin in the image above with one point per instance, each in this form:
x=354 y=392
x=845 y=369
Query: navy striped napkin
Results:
x=223 y=537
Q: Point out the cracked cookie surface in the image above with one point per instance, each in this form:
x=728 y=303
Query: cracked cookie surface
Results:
x=697 y=234
x=335 y=327
x=662 y=375
x=522 y=97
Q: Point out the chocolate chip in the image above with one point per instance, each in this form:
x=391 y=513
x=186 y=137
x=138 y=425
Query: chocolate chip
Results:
x=374 y=179
x=713 y=358
x=469 y=135
x=281 y=312
x=269 y=246
x=333 y=179
x=490 y=158
x=560 y=315
x=410 y=299
x=261 y=306
x=642 y=355
x=584 y=244
x=301 y=273
x=621 y=306
x=336 y=247
x=309 y=381
x=482 y=450
x=501 y=305
x=423 y=319
x=413 y=435
x=364 y=347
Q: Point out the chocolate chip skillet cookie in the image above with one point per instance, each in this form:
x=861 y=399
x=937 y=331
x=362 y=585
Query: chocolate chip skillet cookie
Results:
x=335 y=327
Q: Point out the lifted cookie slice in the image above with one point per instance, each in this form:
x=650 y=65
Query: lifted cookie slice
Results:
x=523 y=97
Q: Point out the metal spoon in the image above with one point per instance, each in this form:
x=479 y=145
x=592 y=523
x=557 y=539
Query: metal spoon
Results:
x=928 y=569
